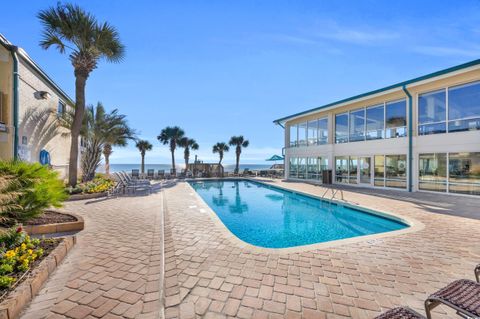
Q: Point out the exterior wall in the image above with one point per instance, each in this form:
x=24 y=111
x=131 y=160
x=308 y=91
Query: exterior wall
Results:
x=468 y=141
x=58 y=145
x=6 y=114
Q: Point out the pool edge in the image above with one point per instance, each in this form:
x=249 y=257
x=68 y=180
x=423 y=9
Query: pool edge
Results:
x=413 y=224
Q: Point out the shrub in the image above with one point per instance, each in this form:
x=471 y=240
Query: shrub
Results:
x=101 y=183
x=17 y=253
x=37 y=188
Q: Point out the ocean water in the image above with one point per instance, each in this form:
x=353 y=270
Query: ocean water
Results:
x=271 y=217
x=166 y=167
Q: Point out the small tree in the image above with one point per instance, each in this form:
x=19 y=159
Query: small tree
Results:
x=188 y=144
x=239 y=142
x=143 y=146
x=220 y=148
x=172 y=137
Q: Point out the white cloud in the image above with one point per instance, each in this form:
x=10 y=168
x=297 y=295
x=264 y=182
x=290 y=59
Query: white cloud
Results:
x=442 y=51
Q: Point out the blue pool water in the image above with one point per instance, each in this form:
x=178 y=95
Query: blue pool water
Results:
x=270 y=217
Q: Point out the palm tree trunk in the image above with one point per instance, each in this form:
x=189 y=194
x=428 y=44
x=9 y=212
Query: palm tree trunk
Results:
x=173 y=162
x=80 y=82
x=142 y=167
x=107 y=164
x=237 y=166
x=186 y=161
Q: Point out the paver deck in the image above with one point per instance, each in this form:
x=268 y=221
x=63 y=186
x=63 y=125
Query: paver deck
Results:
x=114 y=270
x=207 y=274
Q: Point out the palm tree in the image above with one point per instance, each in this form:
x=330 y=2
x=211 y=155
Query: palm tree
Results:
x=70 y=28
x=238 y=142
x=220 y=148
x=99 y=129
x=188 y=144
x=171 y=136
x=143 y=146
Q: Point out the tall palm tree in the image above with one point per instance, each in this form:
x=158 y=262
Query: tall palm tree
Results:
x=143 y=146
x=188 y=144
x=172 y=137
x=68 y=27
x=238 y=142
x=101 y=128
x=220 y=148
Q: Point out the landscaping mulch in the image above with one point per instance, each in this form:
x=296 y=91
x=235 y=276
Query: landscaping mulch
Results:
x=50 y=217
x=48 y=246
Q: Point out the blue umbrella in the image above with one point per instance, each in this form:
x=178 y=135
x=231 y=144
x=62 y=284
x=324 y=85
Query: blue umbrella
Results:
x=275 y=158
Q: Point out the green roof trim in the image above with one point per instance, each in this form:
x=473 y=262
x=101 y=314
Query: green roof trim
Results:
x=399 y=85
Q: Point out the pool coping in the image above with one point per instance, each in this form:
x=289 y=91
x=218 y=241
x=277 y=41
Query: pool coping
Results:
x=413 y=224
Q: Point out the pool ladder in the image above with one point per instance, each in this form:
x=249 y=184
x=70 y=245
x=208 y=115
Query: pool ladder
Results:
x=333 y=193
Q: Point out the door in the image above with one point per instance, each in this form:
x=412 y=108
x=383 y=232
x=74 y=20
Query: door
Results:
x=365 y=170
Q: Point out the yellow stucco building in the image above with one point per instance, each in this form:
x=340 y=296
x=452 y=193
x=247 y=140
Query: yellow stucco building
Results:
x=29 y=102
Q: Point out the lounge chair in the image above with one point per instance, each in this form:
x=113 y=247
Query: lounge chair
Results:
x=477 y=272
x=400 y=313
x=161 y=174
x=135 y=173
x=461 y=295
x=150 y=173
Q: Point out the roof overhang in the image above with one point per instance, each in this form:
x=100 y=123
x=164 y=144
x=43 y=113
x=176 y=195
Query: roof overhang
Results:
x=462 y=68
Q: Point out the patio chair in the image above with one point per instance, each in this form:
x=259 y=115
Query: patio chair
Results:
x=477 y=273
x=400 y=313
x=135 y=173
x=461 y=295
x=129 y=180
x=150 y=173
x=161 y=174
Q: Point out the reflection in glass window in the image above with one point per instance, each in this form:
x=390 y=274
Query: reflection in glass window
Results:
x=302 y=167
x=432 y=112
x=312 y=168
x=323 y=163
x=293 y=135
x=464 y=107
x=293 y=167
x=341 y=169
x=312 y=132
x=341 y=128
x=464 y=173
x=396 y=171
x=302 y=134
x=379 y=170
x=352 y=169
x=375 y=122
x=357 y=125
x=432 y=172
x=323 y=131
x=396 y=119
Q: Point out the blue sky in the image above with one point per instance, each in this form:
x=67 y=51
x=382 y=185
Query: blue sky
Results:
x=223 y=68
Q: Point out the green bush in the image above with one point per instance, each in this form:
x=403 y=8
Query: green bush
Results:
x=37 y=187
x=101 y=183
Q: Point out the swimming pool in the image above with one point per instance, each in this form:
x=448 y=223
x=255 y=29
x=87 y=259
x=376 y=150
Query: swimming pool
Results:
x=270 y=217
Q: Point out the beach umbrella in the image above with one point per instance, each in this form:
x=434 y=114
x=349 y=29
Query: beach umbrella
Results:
x=275 y=158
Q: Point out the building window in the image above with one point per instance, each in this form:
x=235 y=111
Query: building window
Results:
x=396 y=171
x=352 y=170
x=312 y=132
x=432 y=172
x=293 y=171
x=464 y=107
x=341 y=128
x=61 y=108
x=302 y=167
x=432 y=112
x=341 y=169
x=464 y=173
x=323 y=131
x=293 y=135
x=396 y=119
x=379 y=171
x=357 y=125
x=312 y=168
x=375 y=122
x=302 y=134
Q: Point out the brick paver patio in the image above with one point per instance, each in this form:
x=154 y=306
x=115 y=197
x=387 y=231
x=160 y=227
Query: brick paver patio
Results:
x=114 y=270
x=209 y=275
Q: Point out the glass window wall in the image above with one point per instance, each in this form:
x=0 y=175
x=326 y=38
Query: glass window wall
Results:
x=464 y=107
x=396 y=119
x=396 y=171
x=323 y=131
x=357 y=125
x=375 y=122
x=432 y=174
x=341 y=169
x=464 y=173
x=432 y=111
x=293 y=135
x=341 y=128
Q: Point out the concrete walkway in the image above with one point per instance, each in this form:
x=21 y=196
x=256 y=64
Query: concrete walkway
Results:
x=114 y=270
x=212 y=276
